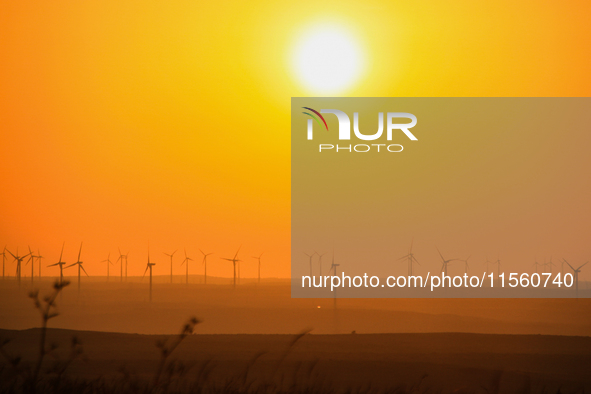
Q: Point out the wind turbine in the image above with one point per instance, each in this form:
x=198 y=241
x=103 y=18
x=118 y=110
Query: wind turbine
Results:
x=234 y=261
x=576 y=272
x=19 y=261
x=39 y=257
x=60 y=263
x=3 y=262
x=149 y=266
x=410 y=257
x=549 y=264
x=320 y=261
x=186 y=261
x=32 y=261
x=205 y=264
x=445 y=262
x=259 y=259
x=170 y=255
x=333 y=267
x=466 y=264
x=498 y=263
x=121 y=258
x=109 y=262
x=310 y=256
x=487 y=262
x=80 y=266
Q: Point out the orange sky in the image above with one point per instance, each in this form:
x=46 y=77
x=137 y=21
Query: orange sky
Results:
x=126 y=123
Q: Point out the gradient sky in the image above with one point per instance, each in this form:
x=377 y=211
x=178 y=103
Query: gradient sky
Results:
x=128 y=123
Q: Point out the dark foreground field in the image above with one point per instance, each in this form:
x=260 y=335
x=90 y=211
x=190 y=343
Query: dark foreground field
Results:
x=441 y=362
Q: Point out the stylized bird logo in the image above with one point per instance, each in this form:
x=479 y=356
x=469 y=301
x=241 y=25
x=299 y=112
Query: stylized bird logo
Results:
x=316 y=117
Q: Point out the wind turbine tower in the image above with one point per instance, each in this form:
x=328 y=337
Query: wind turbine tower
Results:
x=445 y=262
x=79 y=263
x=234 y=260
x=205 y=265
x=259 y=259
x=186 y=262
x=60 y=263
x=149 y=267
x=170 y=255
x=410 y=258
x=576 y=272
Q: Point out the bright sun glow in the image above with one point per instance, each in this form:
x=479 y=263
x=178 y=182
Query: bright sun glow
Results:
x=327 y=60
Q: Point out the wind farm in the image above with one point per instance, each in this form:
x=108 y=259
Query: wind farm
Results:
x=317 y=198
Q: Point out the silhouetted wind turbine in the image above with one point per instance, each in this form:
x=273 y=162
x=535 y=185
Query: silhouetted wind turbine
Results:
x=32 y=261
x=4 y=262
x=39 y=257
x=466 y=264
x=320 y=261
x=126 y=261
x=576 y=274
x=548 y=264
x=205 y=265
x=498 y=263
x=186 y=261
x=149 y=266
x=80 y=266
x=120 y=258
x=310 y=256
x=333 y=268
x=19 y=261
x=170 y=255
x=562 y=268
x=60 y=263
x=234 y=261
x=259 y=259
x=445 y=262
x=487 y=262
x=109 y=263
x=410 y=257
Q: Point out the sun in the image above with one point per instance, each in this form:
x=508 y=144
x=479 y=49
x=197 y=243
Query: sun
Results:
x=327 y=60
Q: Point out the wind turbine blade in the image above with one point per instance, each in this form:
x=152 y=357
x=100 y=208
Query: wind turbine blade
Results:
x=236 y=255
x=582 y=266
x=11 y=254
x=71 y=265
x=81 y=266
x=62 y=252
x=569 y=265
x=402 y=258
x=148 y=266
x=52 y=265
x=415 y=260
x=80 y=251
